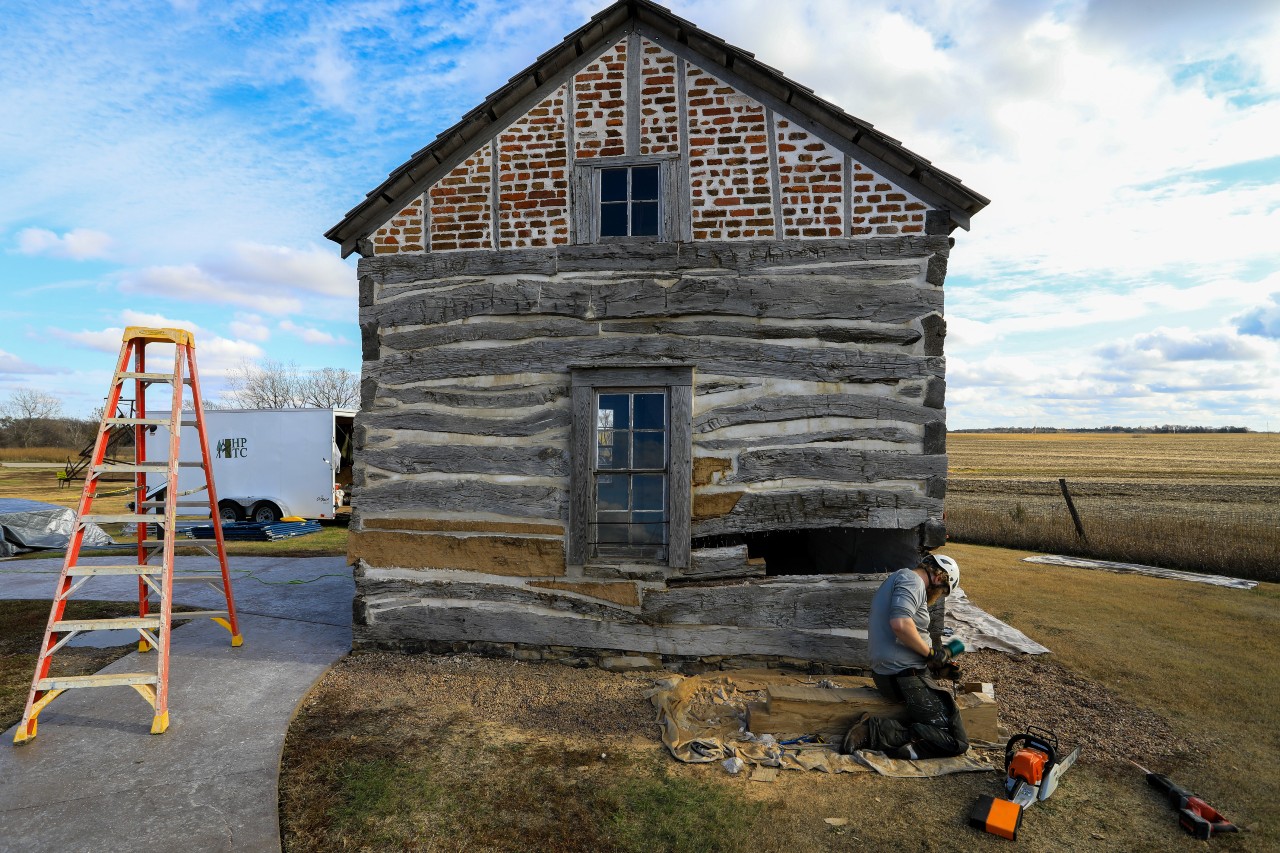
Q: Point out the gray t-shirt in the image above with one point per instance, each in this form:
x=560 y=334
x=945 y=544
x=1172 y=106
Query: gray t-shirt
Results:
x=901 y=595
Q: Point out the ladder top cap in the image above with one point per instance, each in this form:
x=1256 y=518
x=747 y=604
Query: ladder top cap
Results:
x=149 y=333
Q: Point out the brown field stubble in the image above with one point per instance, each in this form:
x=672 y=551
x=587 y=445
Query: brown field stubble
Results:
x=38 y=454
x=1198 y=502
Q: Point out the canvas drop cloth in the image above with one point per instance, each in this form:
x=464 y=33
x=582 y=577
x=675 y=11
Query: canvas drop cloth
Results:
x=703 y=719
x=33 y=525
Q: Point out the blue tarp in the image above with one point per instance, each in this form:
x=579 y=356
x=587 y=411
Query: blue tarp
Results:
x=252 y=531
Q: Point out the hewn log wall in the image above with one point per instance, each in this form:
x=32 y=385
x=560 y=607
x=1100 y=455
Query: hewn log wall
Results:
x=818 y=394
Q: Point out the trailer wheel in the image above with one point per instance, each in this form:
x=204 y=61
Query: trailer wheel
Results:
x=230 y=512
x=265 y=511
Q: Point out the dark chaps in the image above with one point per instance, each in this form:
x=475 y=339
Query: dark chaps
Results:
x=933 y=725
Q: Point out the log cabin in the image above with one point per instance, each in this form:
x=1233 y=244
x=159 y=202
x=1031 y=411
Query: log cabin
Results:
x=653 y=364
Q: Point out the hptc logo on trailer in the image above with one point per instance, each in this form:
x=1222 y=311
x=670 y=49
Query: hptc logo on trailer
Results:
x=232 y=448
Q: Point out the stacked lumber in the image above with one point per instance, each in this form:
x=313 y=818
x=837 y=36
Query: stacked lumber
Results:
x=804 y=710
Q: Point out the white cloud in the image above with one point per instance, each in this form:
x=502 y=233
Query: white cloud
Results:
x=315 y=269
x=1263 y=321
x=79 y=244
x=101 y=340
x=312 y=336
x=191 y=282
x=1185 y=345
x=1167 y=375
x=215 y=355
x=12 y=365
x=270 y=279
x=250 y=327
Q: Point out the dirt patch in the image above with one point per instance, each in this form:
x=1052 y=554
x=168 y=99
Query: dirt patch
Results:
x=451 y=752
x=1037 y=690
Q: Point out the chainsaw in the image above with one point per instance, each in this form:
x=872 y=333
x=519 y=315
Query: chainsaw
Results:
x=1033 y=765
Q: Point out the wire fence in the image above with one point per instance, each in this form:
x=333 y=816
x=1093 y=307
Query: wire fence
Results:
x=1218 y=528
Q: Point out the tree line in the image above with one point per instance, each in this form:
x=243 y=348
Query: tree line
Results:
x=33 y=418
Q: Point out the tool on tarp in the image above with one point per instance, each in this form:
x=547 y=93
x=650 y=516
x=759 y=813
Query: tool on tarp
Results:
x=1033 y=764
x=1194 y=814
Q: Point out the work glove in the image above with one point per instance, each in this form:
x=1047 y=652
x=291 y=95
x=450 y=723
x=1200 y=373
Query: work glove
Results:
x=938 y=658
x=941 y=665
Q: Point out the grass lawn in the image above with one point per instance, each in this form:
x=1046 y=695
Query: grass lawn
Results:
x=440 y=753
x=23 y=628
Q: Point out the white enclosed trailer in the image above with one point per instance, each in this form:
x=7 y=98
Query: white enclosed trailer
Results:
x=270 y=464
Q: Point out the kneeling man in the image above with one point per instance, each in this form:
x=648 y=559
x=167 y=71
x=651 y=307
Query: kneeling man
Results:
x=900 y=662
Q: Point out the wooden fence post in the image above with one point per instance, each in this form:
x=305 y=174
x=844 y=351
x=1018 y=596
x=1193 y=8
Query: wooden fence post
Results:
x=1075 y=516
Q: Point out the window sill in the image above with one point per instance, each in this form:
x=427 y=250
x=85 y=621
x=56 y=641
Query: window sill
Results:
x=622 y=570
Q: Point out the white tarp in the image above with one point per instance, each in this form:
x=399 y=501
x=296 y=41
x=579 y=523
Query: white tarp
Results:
x=33 y=525
x=978 y=629
x=1136 y=569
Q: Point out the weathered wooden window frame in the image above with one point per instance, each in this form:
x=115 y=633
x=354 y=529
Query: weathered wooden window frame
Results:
x=586 y=198
x=585 y=383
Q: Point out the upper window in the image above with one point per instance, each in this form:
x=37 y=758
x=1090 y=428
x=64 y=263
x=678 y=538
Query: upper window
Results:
x=629 y=201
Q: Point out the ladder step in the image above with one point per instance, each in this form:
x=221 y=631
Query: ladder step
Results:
x=123 y=624
x=157 y=504
x=131 y=468
x=70 y=682
x=199 y=614
x=178 y=542
x=115 y=570
x=150 y=377
x=164 y=422
x=130 y=518
x=193 y=578
x=139 y=467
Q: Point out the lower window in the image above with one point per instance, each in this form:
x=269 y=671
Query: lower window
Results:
x=630 y=475
x=631 y=479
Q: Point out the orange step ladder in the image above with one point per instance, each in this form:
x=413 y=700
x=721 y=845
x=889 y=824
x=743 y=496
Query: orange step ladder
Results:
x=153 y=627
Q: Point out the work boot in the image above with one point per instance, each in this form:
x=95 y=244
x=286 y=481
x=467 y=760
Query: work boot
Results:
x=859 y=734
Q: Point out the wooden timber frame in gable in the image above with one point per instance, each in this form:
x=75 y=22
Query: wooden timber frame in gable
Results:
x=858 y=139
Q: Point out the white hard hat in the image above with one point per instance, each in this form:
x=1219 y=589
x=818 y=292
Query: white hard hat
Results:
x=947 y=566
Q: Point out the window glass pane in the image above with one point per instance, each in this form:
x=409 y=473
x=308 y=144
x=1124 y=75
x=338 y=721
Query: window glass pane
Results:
x=612 y=492
x=647 y=492
x=644 y=183
x=648 y=534
x=611 y=517
x=613 y=534
x=613 y=220
x=644 y=219
x=612 y=448
x=616 y=408
x=650 y=450
x=613 y=185
x=655 y=534
x=651 y=411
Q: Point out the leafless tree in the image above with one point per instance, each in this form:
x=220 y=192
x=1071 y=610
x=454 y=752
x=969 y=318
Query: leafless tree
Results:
x=269 y=385
x=330 y=388
x=28 y=413
x=272 y=384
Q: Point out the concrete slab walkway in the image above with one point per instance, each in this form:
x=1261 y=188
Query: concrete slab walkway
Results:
x=95 y=779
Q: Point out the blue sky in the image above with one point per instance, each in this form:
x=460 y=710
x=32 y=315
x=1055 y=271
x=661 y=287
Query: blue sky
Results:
x=180 y=163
